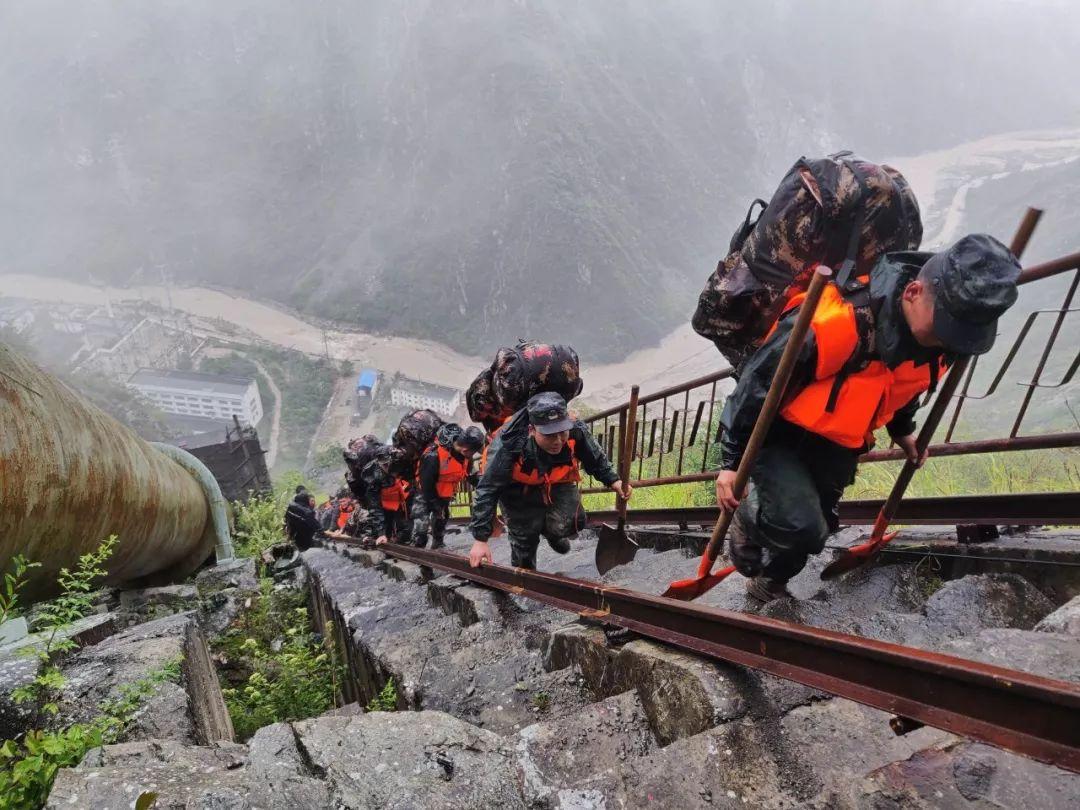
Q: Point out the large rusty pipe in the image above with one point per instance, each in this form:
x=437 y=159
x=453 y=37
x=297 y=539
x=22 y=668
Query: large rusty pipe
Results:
x=71 y=475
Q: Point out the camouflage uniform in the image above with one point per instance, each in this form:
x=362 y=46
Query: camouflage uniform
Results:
x=395 y=525
x=807 y=222
x=430 y=513
x=799 y=476
x=528 y=516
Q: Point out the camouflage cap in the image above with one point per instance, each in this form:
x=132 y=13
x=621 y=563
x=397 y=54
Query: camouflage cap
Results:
x=547 y=413
x=973 y=282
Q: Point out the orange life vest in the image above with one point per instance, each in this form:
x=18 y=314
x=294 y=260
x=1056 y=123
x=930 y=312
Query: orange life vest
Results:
x=559 y=474
x=394 y=496
x=848 y=407
x=345 y=510
x=452 y=472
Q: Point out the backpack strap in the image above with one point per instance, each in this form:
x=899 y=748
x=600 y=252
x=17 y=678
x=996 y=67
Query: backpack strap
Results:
x=744 y=230
x=851 y=255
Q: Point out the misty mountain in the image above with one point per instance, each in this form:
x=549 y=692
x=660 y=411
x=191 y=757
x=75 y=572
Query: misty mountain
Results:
x=474 y=171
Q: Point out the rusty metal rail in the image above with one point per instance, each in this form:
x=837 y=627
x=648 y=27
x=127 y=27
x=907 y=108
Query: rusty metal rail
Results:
x=1028 y=714
x=1028 y=509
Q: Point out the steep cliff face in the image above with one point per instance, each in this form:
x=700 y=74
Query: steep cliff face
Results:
x=473 y=171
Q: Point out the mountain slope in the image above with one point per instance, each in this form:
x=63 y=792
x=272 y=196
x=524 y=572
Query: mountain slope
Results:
x=473 y=172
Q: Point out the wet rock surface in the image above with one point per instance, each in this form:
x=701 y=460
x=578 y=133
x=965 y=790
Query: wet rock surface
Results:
x=1066 y=619
x=1052 y=655
x=506 y=702
x=156 y=602
x=223 y=591
x=406 y=760
x=963 y=775
x=965 y=606
x=192 y=710
x=555 y=756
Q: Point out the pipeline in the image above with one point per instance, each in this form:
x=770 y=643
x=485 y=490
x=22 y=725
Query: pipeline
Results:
x=219 y=512
x=71 y=475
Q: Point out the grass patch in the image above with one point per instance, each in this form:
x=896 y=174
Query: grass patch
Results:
x=386 y=700
x=306 y=385
x=273 y=667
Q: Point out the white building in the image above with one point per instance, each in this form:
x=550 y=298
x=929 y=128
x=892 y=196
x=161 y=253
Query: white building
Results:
x=416 y=394
x=191 y=393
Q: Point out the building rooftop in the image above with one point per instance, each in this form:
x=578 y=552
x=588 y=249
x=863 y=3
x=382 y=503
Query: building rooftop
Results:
x=197 y=431
x=190 y=381
x=426 y=389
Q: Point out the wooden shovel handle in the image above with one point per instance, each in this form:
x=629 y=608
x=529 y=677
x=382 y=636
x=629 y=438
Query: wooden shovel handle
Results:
x=773 y=399
x=944 y=397
x=626 y=453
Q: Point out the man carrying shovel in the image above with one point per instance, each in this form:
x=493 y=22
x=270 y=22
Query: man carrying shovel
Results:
x=532 y=471
x=873 y=348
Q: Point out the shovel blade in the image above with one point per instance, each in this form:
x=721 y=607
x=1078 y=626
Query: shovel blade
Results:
x=614 y=547
x=855 y=557
x=688 y=589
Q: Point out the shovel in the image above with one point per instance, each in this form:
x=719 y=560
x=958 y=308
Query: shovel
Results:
x=857 y=556
x=614 y=547
x=687 y=589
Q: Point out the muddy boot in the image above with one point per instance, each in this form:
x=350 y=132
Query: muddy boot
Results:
x=765 y=590
x=437 y=543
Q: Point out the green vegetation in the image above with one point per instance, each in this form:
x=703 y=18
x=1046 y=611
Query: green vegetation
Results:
x=14 y=580
x=277 y=670
x=28 y=764
x=259 y=521
x=989 y=473
x=54 y=617
x=326 y=458
x=541 y=701
x=306 y=384
x=386 y=700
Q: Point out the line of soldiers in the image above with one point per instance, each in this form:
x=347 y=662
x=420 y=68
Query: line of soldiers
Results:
x=530 y=466
x=869 y=357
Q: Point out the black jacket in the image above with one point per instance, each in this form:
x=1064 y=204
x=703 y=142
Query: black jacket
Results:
x=301 y=525
x=513 y=443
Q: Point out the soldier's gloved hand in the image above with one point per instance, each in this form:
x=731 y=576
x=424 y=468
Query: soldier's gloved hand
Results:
x=725 y=490
x=479 y=554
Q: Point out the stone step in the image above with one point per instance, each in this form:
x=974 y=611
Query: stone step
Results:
x=464 y=661
x=554 y=757
x=681 y=694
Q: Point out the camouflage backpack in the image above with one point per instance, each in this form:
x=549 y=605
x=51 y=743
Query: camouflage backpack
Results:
x=414 y=433
x=358 y=454
x=840 y=211
x=484 y=407
x=519 y=372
